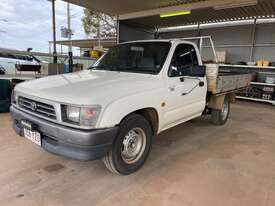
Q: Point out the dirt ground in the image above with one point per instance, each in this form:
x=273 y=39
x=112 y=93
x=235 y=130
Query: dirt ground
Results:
x=194 y=164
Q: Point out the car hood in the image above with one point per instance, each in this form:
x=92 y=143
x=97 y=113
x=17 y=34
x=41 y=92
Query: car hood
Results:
x=88 y=87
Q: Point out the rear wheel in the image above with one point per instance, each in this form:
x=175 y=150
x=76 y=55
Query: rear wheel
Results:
x=220 y=117
x=131 y=147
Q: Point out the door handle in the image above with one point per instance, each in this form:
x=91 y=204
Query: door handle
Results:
x=172 y=88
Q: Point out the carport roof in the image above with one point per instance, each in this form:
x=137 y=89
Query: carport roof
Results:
x=88 y=43
x=119 y=7
x=147 y=12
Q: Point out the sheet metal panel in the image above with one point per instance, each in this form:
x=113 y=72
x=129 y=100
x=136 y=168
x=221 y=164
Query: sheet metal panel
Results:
x=203 y=11
x=264 y=9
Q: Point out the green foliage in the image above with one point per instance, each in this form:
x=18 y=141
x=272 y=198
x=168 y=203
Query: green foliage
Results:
x=97 y=24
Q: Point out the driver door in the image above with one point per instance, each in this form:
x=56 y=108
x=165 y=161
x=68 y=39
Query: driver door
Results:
x=186 y=96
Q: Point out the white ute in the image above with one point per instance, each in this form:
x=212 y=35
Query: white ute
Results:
x=113 y=110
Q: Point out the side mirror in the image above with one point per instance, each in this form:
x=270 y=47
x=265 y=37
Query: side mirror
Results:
x=198 y=71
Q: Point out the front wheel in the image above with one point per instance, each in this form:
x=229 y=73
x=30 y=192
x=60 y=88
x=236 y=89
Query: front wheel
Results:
x=220 y=116
x=131 y=147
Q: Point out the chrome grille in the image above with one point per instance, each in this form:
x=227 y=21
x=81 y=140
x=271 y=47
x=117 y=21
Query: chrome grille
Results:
x=37 y=107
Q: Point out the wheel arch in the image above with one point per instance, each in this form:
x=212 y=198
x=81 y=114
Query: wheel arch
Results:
x=151 y=115
x=150 y=108
x=216 y=102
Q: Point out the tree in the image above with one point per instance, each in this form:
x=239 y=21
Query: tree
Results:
x=99 y=25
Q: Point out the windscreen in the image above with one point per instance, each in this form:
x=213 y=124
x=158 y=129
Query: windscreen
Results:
x=138 y=57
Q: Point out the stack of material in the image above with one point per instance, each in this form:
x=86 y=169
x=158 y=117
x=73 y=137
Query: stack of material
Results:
x=52 y=69
x=77 y=67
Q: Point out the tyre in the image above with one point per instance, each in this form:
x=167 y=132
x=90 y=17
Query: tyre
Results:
x=131 y=147
x=219 y=117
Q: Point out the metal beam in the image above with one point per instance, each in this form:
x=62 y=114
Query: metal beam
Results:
x=253 y=37
x=189 y=7
x=54 y=33
x=117 y=31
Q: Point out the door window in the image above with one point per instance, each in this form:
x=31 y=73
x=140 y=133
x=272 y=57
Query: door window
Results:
x=183 y=60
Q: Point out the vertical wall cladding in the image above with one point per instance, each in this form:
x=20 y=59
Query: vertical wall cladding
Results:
x=236 y=41
x=265 y=39
x=132 y=32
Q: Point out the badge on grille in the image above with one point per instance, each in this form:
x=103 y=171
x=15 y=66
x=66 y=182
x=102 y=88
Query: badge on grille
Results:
x=33 y=106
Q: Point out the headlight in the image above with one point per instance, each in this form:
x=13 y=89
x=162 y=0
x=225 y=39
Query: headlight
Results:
x=73 y=114
x=83 y=116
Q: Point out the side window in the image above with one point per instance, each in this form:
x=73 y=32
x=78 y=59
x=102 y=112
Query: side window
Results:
x=183 y=60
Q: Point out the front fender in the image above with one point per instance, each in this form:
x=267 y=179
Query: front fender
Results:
x=113 y=113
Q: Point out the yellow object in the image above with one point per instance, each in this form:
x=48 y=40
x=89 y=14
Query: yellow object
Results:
x=260 y=63
x=266 y=63
x=175 y=14
x=263 y=63
x=94 y=54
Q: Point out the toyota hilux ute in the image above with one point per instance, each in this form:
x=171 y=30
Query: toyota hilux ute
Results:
x=113 y=110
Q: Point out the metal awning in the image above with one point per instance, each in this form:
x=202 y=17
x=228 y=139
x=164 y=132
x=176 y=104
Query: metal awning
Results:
x=119 y=7
x=88 y=43
x=147 y=13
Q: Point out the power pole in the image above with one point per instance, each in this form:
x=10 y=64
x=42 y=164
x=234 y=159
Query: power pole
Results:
x=54 y=33
x=99 y=31
x=70 y=38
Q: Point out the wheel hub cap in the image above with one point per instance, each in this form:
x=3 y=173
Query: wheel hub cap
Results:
x=133 y=145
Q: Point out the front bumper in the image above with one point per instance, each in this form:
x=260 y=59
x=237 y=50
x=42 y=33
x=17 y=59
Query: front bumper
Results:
x=65 y=141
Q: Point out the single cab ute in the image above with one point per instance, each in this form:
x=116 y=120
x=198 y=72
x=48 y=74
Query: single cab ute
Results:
x=114 y=109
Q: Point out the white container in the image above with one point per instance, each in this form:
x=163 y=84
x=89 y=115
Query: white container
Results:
x=212 y=71
x=270 y=80
x=221 y=56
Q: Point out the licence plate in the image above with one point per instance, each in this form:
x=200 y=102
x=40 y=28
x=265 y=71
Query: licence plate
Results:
x=33 y=136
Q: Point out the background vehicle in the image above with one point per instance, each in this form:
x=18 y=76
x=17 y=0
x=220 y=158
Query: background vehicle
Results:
x=8 y=61
x=2 y=70
x=134 y=92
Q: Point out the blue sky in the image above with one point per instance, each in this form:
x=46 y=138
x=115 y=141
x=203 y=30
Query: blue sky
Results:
x=28 y=23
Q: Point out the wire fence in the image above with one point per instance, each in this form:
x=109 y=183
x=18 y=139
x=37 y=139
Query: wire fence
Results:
x=86 y=61
x=48 y=58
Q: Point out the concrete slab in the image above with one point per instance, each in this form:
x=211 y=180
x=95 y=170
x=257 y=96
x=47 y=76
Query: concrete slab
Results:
x=194 y=164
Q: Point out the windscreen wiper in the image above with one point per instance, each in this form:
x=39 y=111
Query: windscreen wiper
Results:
x=96 y=67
